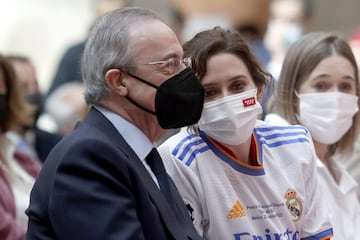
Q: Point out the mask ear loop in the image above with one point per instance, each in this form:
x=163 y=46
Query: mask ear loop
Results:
x=143 y=81
x=137 y=104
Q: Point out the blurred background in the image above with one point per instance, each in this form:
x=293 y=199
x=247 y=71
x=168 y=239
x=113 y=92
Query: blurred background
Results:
x=42 y=30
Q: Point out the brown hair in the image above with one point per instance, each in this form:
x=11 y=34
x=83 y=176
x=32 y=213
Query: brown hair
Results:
x=218 y=40
x=19 y=112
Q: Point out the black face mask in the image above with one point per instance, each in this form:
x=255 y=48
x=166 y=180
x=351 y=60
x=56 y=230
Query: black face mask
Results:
x=179 y=100
x=36 y=99
x=3 y=108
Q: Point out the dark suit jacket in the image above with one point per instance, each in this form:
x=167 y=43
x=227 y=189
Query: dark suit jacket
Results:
x=93 y=186
x=44 y=142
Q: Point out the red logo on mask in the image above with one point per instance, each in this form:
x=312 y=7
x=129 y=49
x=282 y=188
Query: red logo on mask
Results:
x=249 y=102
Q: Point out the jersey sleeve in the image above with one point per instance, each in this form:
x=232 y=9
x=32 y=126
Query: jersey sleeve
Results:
x=317 y=223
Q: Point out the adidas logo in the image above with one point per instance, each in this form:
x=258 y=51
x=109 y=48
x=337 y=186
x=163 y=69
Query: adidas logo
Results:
x=236 y=211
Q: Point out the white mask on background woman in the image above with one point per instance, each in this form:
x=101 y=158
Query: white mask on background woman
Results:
x=231 y=120
x=328 y=116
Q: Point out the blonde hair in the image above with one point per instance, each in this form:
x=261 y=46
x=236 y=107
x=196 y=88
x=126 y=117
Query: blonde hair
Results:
x=300 y=60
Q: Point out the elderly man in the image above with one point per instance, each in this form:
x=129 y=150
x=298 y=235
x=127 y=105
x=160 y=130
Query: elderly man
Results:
x=105 y=180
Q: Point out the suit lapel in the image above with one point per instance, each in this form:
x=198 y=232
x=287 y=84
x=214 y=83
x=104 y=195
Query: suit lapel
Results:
x=165 y=212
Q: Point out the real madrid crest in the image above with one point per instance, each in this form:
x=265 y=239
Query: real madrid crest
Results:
x=293 y=204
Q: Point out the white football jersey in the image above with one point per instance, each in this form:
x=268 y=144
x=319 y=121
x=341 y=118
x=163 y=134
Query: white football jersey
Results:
x=228 y=199
x=340 y=190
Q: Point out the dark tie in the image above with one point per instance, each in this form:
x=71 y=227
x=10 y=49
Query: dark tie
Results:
x=156 y=164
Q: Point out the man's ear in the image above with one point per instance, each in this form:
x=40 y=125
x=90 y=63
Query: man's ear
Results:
x=260 y=91
x=115 y=80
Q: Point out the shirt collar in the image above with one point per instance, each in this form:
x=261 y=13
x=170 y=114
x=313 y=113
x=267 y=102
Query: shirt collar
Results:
x=137 y=140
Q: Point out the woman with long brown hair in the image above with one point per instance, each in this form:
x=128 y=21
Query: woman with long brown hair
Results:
x=17 y=171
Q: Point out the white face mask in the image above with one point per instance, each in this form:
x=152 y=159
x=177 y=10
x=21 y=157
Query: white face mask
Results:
x=328 y=116
x=231 y=120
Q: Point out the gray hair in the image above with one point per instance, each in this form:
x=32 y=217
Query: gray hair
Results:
x=108 y=46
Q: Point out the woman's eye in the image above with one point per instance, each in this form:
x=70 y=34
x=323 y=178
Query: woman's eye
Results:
x=237 y=87
x=320 y=86
x=210 y=93
x=346 y=87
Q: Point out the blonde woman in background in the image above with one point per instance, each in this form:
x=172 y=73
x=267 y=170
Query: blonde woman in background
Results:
x=319 y=88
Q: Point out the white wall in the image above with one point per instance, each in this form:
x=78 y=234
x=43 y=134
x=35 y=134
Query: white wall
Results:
x=42 y=30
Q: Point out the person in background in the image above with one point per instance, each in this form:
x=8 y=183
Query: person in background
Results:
x=354 y=42
x=249 y=17
x=26 y=75
x=319 y=89
x=289 y=20
x=105 y=179
x=17 y=170
x=69 y=65
x=65 y=106
x=240 y=177
x=31 y=139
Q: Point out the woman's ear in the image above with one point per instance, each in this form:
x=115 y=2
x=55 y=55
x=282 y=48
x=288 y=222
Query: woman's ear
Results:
x=116 y=82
